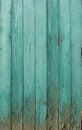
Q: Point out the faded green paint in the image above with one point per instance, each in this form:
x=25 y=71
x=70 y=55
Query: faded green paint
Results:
x=5 y=61
x=53 y=65
x=76 y=43
x=65 y=62
x=29 y=64
x=16 y=64
x=40 y=64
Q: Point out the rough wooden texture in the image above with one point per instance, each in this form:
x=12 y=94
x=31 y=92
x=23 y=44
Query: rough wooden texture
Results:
x=40 y=64
x=52 y=65
x=16 y=73
x=29 y=63
x=76 y=42
x=65 y=64
x=5 y=61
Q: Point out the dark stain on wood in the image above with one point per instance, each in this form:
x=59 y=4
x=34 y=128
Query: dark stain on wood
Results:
x=81 y=52
x=81 y=120
x=59 y=40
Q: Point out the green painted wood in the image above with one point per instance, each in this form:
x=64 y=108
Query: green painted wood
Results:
x=17 y=83
x=5 y=61
x=76 y=42
x=65 y=64
x=29 y=64
x=53 y=65
x=41 y=64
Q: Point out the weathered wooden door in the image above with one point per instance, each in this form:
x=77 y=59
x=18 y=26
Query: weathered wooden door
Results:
x=40 y=64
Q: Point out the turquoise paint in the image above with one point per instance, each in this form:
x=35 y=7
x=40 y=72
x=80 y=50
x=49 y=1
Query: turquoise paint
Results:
x=65 y=59
x=76 y=41
x=29 y=63
x=5 y=60
x=40 y=64
x=16 y=64
x=52 y=64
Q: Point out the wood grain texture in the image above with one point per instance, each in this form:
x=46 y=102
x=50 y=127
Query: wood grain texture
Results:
x=76 y=42
x=53 y=66
x=29 y=64
x=17 y=83
x=5 y=61
x=65 y=64
x=41 y=64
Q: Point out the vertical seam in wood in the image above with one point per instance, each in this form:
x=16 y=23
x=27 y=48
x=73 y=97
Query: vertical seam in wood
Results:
x=71 y=65
x=22 y=65
x=11 y=59
x=59 y=62
x=47 y=59
x=35 y=59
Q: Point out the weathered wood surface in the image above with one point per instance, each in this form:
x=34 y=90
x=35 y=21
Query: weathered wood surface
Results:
x=65 y=64
x=16 y=65
x=29 y=65
x=40 y=65
x=5 y=65
x=76 y=43
x=52 y=65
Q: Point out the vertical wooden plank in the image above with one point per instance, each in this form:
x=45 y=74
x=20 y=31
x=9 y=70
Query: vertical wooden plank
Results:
x=65 y=64
x=29 y=64
x=76 y=42
x=53 y=65
x=17 y=65
x=41 y=64
x=5 y=61
x=81 y=59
